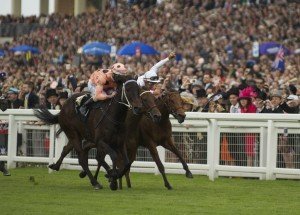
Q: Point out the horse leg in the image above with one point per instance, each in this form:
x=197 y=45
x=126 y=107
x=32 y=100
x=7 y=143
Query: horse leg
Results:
x=159 y=164
x=113 y=174
x=86 y=149
x=101 y=162
x=128 y=179
x=83 y=161
x=171 y=146
x=126 y=165
x=66 y=150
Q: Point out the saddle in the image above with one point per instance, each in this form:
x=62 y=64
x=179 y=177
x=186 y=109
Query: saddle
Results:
x=80 y=101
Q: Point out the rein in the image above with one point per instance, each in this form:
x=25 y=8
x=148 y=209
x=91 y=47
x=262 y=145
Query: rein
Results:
x=124 y=95
x=173 y=112
x=153 y=106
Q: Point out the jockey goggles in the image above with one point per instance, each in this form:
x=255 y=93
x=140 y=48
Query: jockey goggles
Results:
x=154 y=79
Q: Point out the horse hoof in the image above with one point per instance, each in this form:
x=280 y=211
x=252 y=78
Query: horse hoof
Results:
x=113 y=185
x=98 y=187
x=82 y=174
x=169 y=187
x=53 y=166
x=189 y=175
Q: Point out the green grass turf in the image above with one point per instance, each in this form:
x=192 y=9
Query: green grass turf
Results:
x=65 y=193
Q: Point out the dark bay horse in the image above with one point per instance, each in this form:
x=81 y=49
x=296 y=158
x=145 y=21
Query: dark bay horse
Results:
x=103 y=124
x=150 y=135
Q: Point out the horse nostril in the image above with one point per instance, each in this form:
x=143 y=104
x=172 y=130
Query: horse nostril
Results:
x=136 y=110
x=157 y=118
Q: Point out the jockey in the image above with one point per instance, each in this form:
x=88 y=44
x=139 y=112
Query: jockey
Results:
x=150 y=78
x=102 y=86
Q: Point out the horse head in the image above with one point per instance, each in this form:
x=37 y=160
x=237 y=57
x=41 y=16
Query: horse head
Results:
x=174 y=104
x=130 y=92
x=3 y=103
x=149 y=105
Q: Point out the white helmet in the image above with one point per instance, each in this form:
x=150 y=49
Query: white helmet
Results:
x=151 y=77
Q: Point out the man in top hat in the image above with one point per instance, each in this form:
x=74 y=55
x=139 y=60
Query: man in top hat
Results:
x=233 y=94
x=202 y=100
x=260 y=102
x=51 y=99
x=63 y=96
x=14 y=101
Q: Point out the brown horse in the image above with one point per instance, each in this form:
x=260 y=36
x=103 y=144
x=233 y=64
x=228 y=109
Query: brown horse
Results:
x=102 y=127
x=151 y=135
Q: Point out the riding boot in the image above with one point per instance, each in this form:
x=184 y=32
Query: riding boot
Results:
x=85 y=107
x=3 y=169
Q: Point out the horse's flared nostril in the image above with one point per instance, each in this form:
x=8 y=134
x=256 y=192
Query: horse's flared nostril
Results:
x=156 y=118
x=136 y=110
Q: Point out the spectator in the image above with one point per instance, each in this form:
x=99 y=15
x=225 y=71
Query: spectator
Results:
x=3 y=169
x=233 y=98
x=245 y=99
x=51 y=99
x=30 y=99
x=203 y=101
x=14 y=101
x=63 y=96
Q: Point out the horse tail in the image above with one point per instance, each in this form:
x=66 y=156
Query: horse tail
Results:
x=58 y=132
x=45 y=115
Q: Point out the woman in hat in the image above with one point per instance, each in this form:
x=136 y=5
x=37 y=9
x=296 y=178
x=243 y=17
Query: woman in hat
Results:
x=190 y=103
x=245 y=100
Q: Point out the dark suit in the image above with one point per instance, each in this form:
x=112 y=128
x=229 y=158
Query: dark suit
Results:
x=15 y=104
x=33 y=100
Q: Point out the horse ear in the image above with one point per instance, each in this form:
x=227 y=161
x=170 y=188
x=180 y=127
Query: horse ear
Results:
x=121 y=78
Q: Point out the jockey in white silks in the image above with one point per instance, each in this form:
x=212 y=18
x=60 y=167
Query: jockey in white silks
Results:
x=150 y=78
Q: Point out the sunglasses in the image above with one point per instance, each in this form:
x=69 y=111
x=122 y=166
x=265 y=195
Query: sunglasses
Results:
x=154 y=78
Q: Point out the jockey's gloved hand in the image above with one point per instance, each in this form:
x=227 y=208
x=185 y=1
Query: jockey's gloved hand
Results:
x=172 y=55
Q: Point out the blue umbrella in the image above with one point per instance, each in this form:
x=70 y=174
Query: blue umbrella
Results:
x=94 y=51
x=96 y=48
x=1 y=53
x=25 y=48
x=131 y=49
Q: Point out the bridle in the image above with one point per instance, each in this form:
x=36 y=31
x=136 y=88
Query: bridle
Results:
x=166 y=103
x=150 y=108
x=124 y=95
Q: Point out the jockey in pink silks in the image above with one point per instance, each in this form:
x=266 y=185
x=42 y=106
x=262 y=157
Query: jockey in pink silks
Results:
x=101 y=84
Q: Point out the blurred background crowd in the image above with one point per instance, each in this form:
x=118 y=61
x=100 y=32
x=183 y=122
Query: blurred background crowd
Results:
x=215 y=68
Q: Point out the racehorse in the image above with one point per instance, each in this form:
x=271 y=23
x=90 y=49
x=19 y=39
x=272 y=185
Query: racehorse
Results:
x=143 y=132
x=150 y=135
x=102 y=126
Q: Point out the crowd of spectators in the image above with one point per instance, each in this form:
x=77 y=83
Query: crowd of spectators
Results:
x=214 y=69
